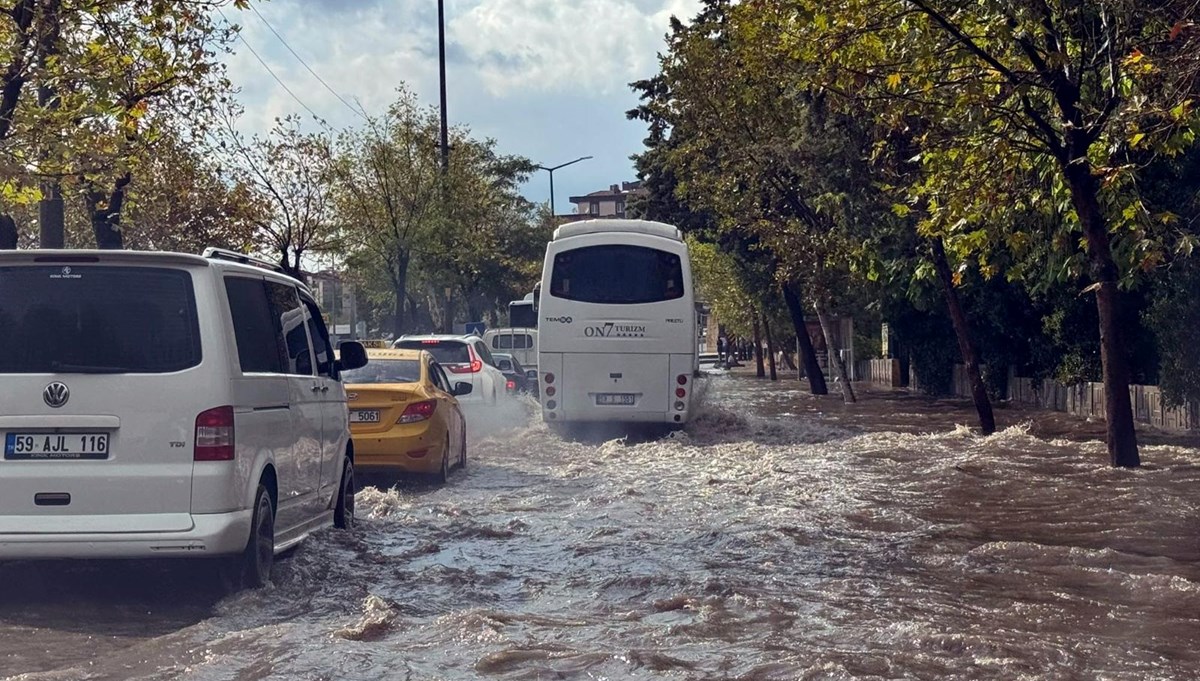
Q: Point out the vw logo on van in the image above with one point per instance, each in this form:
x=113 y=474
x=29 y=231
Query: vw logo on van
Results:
x=56 y=394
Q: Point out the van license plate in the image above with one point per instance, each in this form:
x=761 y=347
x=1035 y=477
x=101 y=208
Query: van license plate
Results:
x=624 y=399
x=364 y=416
x=25 y=446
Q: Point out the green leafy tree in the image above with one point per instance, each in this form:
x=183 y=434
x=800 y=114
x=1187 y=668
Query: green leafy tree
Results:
x=291 y=172
x=388 y=189
x=88 y=88
x=1057 y=90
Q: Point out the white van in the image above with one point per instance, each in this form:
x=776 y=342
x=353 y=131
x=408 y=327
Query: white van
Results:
x=160 y=404
x=518 y=342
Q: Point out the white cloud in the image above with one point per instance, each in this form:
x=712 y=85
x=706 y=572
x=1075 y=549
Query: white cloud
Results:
x=585 y=47
x=547 y=79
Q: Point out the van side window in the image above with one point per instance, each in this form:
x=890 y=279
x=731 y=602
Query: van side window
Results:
x=320 y=340
x=259 y=346
x=290 y=318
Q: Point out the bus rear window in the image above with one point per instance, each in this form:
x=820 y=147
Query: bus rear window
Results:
x=617 y=275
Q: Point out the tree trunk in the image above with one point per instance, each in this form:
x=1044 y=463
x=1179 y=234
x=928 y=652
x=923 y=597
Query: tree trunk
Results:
x=770 y=348
x=448 y=312
x=413 y=307
x=14 y=79
x=51 y=219
x=835 y=357
x=8 y=232
x=1118 y=408
x=966 y=342
x=758 y=358
x=808 y=354
x=106 y=215
x=789 y=363
x=399 y=292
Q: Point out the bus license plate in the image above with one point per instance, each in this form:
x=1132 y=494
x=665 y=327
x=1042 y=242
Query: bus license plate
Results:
x=25 y=446
x=623 y=399
x=364 y=416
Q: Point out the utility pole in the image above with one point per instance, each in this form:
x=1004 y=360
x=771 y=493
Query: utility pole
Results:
x=551 y=171
x=51 y=220
x=445 y=141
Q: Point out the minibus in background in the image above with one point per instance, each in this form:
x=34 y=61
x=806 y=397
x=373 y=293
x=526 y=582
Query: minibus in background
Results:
x=617 y=324
x=519 y=339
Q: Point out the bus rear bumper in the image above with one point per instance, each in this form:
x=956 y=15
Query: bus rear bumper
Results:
x=598 y=416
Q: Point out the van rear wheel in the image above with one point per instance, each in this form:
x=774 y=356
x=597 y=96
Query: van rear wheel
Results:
x=343 y=513
x=259 y=555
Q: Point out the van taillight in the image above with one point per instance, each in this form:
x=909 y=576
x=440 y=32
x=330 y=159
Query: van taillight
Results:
x=214 y=435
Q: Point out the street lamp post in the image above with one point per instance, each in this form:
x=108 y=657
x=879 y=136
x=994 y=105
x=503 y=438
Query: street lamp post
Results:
x=551 y=171
x=445 y=135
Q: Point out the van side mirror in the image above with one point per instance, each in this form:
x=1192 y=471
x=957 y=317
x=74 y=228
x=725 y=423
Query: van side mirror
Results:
x=461 y=388
x=352 y=355
x=537 y=296
x=531 y=374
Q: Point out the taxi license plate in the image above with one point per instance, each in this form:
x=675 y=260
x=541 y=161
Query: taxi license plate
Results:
x=623 y=399
x=25 y=446
x=364 y=416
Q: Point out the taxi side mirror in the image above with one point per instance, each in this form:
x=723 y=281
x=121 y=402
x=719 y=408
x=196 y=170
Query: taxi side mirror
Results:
x=462 y=388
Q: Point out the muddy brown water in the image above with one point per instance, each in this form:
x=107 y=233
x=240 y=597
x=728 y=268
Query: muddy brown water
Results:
x=779 y=537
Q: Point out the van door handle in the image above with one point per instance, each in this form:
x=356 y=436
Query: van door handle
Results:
x=324 y=388
x=316 y=388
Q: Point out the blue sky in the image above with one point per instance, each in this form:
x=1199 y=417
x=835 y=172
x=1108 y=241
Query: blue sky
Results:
x=547 y=79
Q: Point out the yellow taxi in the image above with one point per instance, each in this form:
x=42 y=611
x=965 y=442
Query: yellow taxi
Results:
x=404 y=415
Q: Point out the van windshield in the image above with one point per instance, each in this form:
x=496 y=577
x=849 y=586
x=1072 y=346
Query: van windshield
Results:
x=97 y=319
x=617 y=274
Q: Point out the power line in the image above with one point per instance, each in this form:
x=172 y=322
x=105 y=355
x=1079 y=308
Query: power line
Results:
x=268 y=68
x=305 y=64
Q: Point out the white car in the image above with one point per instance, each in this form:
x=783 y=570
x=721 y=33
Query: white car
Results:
x=161 y=404
x=468 y=359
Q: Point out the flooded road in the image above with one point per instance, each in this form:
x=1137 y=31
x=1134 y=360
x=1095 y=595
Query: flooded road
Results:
x=778 y=537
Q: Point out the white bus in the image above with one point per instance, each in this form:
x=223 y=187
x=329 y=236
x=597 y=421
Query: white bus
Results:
x=617 y=324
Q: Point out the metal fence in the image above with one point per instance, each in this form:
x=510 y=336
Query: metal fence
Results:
x=1081 y=399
